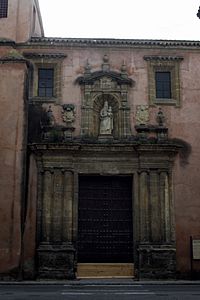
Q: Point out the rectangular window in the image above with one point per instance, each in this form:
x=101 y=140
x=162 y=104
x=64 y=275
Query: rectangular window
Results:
x=3 y=8
x=45 y=82
x=163 y=85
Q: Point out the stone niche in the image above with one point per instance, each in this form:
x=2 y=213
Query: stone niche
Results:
x=98 y=87
x=150 y=166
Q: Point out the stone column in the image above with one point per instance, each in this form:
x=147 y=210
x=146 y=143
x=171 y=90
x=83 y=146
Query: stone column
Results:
x=144 y=207
x=155 y=210
x=56 y=252
x=46 y=206
x=165 y=207
x=157 y=254
x=57 y=206
x=67 y=207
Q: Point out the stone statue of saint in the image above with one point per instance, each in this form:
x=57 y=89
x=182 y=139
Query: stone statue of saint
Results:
x=160 y=118
x=50 y=117
x=106 y=119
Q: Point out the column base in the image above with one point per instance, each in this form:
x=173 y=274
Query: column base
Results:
x=157 y=262
x=56 y=261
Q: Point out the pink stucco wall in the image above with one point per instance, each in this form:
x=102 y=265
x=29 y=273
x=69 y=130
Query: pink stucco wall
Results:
x=12 y=151
x=18 y=26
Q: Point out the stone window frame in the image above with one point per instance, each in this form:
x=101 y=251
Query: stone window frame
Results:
x=56 y=82
x=164 y=64
x=46 y=61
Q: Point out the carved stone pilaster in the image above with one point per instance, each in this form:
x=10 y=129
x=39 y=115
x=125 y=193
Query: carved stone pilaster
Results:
x=57 y=207
x=144 y=207
x=165 y=207
x=67 y=206
x=56 y=252
x=155 y=210
x=47 y=207
x=156 y=248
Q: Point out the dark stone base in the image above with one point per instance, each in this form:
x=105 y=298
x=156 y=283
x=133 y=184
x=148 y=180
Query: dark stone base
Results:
x=105 y=137
x=55 y=262
x=157 y=262
x=12 y=275
x=29 y=269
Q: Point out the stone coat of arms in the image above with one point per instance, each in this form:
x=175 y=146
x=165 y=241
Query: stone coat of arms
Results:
x=69 y=113
x=142 y=114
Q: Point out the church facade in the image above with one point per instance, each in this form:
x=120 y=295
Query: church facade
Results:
x=99 y=154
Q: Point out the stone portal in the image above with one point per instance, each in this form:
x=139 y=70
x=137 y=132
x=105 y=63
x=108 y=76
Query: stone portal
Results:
x=86 y=203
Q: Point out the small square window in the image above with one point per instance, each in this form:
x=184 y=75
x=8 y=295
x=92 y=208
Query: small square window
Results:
x=163 y=85
x=45 y=82
x=3 y=8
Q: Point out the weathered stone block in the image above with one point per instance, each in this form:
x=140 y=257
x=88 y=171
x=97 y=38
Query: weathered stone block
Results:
x=56 y=262
x=157 y=262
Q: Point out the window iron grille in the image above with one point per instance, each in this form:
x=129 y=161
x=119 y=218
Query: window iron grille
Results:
x=45 y=82
x=3 y=8
x=163 y=85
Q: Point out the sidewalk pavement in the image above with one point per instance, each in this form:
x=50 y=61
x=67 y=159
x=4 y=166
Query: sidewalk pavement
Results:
x=86 y=282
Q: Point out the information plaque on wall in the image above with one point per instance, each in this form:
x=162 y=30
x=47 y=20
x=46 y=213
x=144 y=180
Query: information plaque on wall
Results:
x=196 y=248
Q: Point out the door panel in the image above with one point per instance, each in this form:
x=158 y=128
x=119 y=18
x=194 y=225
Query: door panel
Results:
x=105 y=231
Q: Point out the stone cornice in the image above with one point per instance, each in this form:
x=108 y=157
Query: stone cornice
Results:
x=158 y=148
x=13 y=60
x=35 y=55
x=6 y=42
x=163 y=58
x=49 y=41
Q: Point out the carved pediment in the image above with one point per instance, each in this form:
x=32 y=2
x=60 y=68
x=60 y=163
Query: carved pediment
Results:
x=105 y=78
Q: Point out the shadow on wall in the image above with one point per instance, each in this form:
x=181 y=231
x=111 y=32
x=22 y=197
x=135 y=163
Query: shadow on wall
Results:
x=35 y=116
x=184 y=152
